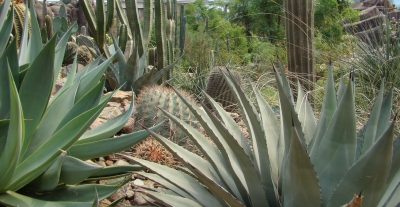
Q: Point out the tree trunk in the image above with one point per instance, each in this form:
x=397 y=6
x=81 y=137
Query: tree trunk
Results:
x=299 y=39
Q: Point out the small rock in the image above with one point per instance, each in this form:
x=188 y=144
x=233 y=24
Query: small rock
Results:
x=110 y=112
x=59 y=84
x=121 y=162
x=90 y=162
x=101 y=163
x=130 y=194
x=97 y=122
x=120 y=96
x=109 y=163
x=139 y=199
x=80 y=67
x=125 y=104
x=138 y=182
x=129 y=126
x=116 y=195
x=104 y=202
x=113 y=104
x=101 y=159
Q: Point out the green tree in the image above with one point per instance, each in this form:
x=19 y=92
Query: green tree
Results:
x=211 y=20
x=328 y=17
x=260 y=17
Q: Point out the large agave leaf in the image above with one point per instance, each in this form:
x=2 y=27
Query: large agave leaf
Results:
x=367 y=138
x=257 y=136
x=91 y=99
x=107 y=129
x=10 y=156
x=78 y=193
x=183 y=181
x=228 y=153
x=23 y=54
x=384 y=116
x=341 y=90
x=3 y=11
x=50 y=124
x=300 y=182
x=35 y=39
x=338 y=146
x=70 y=80
x=5 y=29
x=213 y=155
x=156 y=178
x=15 y=199
x=60 y=50
x=201 y=171
x=231 y=125
x=306 y=114
x=289 y=118
x=329 y=106
x=91 y=78
x=284 y=80
x=368 y=173
x=170 y=200
x=48 y=180
x=115 y=170
x=3 y=133
x=272 y=131
x=35 y=164
x=252 y=178
x=7 y=60
x=105 y=147
x=41 y=69
x=391 y=194
x=74 y=171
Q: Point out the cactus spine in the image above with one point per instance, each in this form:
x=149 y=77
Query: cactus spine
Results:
x=148 y=113
x=299 y=37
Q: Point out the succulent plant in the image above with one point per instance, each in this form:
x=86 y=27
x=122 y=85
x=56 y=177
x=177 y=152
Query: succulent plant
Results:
x=19 y=18
x=84 y=55
x=70 y=53
x=291 y=162
x=218 y=89
x=148 y=111
x=130 y=73
x=44 y=141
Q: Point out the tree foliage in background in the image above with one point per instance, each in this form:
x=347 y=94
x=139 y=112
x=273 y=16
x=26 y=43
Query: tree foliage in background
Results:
x=211 y=20
x=260 y=17
x=329 y=15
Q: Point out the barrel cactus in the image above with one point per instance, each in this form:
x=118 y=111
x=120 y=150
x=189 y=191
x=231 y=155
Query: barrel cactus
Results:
x=70 y=51
x=218 y=89
x=85 y=55
x=148 y=104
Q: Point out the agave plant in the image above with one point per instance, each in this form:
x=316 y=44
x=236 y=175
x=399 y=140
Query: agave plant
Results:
x=292 y=160
x=44 y=141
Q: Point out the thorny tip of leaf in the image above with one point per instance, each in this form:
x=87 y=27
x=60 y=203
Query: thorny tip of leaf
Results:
x=356 y=201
